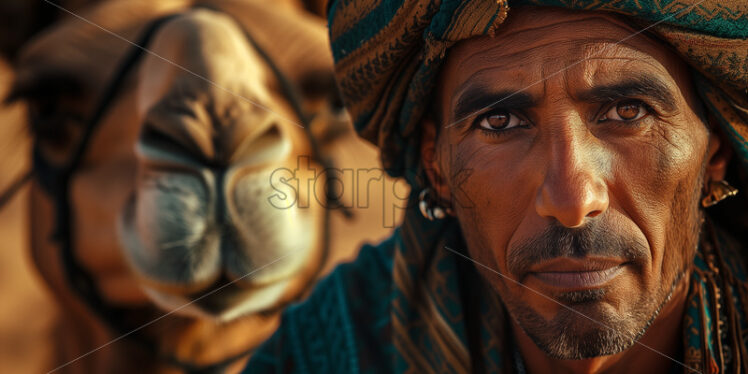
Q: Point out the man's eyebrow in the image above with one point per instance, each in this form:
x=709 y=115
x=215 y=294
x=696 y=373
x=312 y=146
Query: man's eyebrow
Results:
x=479 y=98
x=638 y=85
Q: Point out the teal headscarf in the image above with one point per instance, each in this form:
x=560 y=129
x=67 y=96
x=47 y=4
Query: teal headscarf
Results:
x=388 y=52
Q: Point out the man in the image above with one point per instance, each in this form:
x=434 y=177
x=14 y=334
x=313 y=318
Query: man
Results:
x=567 y=155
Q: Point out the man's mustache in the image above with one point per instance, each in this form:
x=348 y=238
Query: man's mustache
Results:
x=595 y=239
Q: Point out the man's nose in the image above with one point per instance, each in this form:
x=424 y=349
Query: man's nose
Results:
x=573 y=189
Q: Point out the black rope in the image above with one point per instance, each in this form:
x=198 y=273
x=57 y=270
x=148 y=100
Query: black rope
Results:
x=14 y=187
x=55 y=180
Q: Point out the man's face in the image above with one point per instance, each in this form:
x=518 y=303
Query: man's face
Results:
x=574 y=159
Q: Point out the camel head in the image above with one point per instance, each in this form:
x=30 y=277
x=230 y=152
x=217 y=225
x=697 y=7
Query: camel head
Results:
x=174 y=197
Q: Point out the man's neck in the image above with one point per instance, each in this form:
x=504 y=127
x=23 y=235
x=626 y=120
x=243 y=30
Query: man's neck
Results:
x=655 y=352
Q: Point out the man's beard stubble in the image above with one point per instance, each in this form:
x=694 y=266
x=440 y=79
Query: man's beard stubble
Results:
x=572 y=334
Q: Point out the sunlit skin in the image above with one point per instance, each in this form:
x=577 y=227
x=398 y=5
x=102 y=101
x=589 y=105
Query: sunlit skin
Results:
x=614 y=145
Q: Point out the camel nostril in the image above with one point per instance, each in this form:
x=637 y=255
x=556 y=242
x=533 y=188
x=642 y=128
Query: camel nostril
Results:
x=269 y=146
x=155 y=144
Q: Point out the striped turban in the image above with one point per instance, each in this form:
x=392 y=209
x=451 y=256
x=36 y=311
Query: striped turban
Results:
x=388 y=53
x=387 y=56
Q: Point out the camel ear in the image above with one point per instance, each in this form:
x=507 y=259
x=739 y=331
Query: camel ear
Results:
x=323 y=102
x=53 y=99
x=331 y=124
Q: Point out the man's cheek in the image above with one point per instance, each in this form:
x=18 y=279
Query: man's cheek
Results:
x=656 y=182
x=644 y=179
x=662 y=159
x=462 y=195
x=484 y=221
x=472 y=219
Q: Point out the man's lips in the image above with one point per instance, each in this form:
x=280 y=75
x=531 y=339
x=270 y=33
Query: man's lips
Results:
x=576 y=274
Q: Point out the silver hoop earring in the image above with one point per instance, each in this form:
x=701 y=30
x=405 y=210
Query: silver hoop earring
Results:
x=429 y=207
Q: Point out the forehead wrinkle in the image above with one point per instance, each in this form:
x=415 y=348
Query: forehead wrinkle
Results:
x=602 y=74
x=620 y=51
x=520 y=71
x=516 y=60
x=524 y=75
x=620 y=66
x=475 y=77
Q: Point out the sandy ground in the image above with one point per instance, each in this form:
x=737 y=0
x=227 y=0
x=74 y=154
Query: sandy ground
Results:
x=26 y=310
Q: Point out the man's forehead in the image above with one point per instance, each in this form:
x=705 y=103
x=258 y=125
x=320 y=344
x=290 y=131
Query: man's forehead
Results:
x=529 y=26
x=539 y=44
x=582 y=65
x=551 y=34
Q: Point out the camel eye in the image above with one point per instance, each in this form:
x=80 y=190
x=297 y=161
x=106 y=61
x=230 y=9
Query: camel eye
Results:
x=53 y=100
x=52 y=125
x=626 y=111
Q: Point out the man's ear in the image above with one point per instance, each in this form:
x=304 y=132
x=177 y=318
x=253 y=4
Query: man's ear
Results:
x=718 y=154
x=432 y=162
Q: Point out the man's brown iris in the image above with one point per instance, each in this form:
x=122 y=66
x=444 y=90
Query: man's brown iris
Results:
x=498 y=121
x=628 y=110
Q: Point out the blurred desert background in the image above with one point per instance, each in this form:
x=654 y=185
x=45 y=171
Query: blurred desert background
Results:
x=27 y=310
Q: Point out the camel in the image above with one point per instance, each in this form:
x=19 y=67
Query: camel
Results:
x=183 y=213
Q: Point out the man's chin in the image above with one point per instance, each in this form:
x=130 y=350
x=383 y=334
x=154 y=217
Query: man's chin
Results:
x=590 y=330
x=587 y=326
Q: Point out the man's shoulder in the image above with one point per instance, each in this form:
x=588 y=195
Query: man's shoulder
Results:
x=352 y=291
x=345 y=319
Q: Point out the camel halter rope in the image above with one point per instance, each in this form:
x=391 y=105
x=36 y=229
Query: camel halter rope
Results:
x=55 y=180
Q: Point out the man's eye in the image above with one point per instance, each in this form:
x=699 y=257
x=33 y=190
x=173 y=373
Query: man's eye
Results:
x=498 y=120
x=626 y=111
